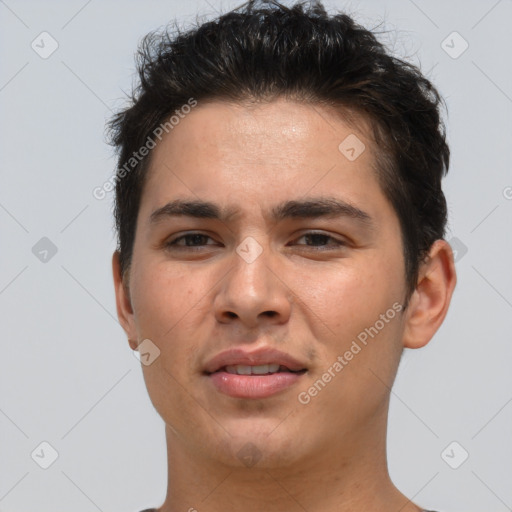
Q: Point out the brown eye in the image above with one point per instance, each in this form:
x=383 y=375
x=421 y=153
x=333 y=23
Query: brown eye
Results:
x=321 y=240
x=192 y=240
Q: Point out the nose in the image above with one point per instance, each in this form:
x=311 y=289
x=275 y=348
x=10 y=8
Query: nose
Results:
x=253 y=292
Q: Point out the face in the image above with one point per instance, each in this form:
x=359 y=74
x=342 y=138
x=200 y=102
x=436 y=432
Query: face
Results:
x=276 y=306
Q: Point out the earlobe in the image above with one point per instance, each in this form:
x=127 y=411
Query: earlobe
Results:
x=123 y=302
x=430 y=301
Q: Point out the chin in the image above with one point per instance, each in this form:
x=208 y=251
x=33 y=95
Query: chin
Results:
x=264 y=445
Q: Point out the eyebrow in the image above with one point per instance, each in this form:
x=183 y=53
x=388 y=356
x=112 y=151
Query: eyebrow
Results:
x=294 y=209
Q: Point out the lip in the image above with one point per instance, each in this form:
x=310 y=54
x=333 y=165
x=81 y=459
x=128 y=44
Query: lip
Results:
x=252 y=386
x=263 y=355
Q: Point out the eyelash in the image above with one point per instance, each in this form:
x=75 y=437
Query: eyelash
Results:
x=172 y=244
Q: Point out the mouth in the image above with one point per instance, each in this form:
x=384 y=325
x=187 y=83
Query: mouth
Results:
x=253 y=375
x=261 y=369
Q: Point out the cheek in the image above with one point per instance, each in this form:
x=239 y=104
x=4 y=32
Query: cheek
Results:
x=162 y=296
x=172 y=309
x=351 y=295
x=167 y=305
x=350 y=301
x=343 y=309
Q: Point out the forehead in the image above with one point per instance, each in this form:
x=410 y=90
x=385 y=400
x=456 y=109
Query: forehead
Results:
x=279 y=128
x=262 y=153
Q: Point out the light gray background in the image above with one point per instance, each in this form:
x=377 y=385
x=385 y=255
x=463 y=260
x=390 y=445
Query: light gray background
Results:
x=67 y=374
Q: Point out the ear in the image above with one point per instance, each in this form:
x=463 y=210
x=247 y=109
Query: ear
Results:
x=123 y=302
x=430 y=300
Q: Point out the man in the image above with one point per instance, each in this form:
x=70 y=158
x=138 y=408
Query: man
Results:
x=281 y=222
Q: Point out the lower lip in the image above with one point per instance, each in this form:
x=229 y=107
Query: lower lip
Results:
x=253 y=386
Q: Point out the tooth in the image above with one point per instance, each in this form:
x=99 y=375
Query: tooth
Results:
x=243 y=370
x=262 y=369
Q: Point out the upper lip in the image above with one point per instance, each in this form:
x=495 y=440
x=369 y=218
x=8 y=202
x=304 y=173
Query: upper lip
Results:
x=242 y=356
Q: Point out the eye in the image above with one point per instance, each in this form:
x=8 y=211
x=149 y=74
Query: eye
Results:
x=320 y=241
x=192 y=240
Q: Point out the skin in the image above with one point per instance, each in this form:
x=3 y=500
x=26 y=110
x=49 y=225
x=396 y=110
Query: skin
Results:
x=196 y=301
